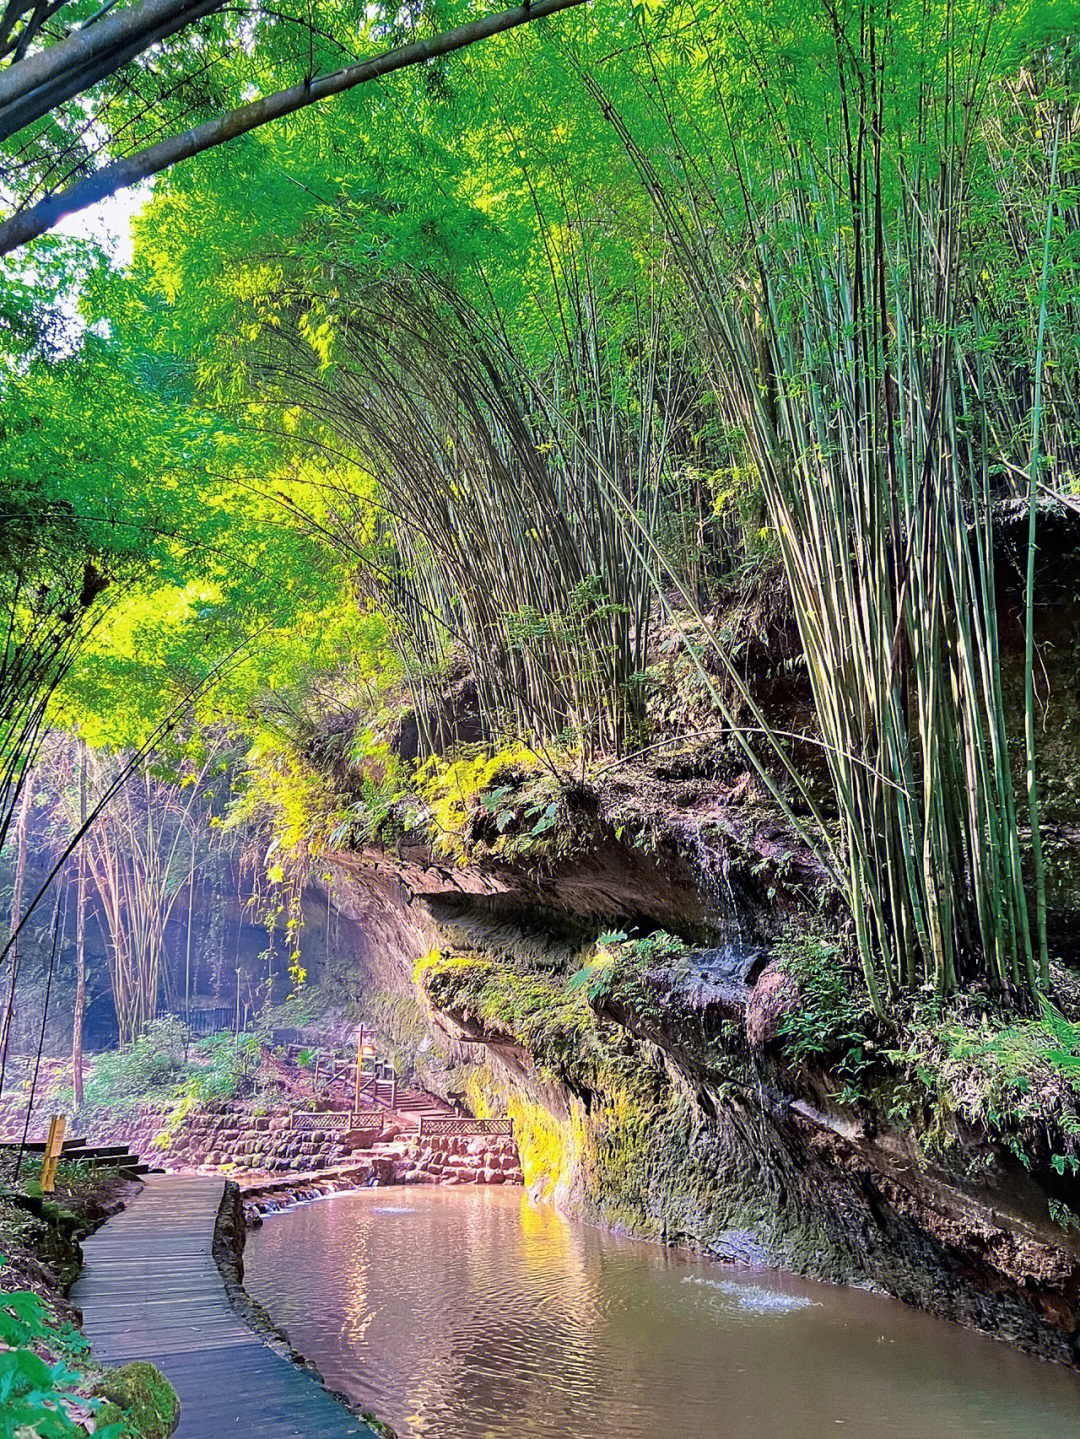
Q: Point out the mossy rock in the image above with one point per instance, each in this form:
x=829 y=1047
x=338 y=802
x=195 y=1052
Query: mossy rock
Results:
x=141 y=1399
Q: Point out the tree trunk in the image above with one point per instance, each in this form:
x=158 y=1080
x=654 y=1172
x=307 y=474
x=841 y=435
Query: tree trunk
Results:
x=80 y=943
x=21 y=826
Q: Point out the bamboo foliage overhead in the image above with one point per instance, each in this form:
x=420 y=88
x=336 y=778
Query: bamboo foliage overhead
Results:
x=491 y=534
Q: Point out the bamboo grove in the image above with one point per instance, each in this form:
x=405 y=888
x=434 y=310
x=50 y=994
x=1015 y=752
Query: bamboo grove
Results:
x=885 y=417
x=554 y=341
x=858 y=306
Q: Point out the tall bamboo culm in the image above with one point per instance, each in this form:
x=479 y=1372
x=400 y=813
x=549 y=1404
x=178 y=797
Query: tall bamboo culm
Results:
x=486 y=529
x=845 y=320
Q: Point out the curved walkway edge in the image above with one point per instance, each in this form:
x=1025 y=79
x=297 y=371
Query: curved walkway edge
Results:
x=150 y=1289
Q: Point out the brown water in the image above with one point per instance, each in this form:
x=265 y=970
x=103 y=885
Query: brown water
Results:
x=469 y=1314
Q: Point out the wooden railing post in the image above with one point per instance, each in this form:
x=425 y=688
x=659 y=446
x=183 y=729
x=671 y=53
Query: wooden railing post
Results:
x=53 y=1145
x=359 y=1065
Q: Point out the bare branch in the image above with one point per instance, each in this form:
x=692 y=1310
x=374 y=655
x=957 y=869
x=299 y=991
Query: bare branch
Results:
x=32 y=87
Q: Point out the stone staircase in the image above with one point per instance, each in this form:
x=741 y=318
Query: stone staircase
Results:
x=412 y=1105
x=89 y=1156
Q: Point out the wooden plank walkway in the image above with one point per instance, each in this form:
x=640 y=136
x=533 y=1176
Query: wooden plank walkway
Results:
x=150 y=1289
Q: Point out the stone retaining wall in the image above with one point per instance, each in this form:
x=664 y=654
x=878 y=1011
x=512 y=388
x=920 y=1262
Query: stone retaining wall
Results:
x=445 y=1159
x=239 y=1142
x=227 y=1139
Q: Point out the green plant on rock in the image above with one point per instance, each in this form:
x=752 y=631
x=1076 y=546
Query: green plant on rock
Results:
x=505 y=805
x=178 y=1112
x=618 y=959
x=1064 y=1217
x=657 y=947
x=833 y=1021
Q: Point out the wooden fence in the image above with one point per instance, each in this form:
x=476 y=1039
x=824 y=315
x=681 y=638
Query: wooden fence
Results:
x=333 y=1119
x=463 y=1126
x=209 y=1021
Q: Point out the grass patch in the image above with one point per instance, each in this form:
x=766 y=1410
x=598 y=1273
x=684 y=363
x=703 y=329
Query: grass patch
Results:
x=1016 y=1076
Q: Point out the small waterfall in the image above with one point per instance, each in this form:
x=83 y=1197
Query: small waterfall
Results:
x=712 y=866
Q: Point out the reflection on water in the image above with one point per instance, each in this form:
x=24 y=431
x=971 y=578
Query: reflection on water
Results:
x=469 y=1314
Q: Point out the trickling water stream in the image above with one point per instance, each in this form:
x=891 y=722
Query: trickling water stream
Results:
x=470 y=1314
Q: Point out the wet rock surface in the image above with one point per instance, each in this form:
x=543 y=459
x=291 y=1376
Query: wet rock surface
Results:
x=692 y=1128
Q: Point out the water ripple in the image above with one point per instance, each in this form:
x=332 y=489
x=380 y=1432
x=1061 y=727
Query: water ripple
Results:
x=753 y=1297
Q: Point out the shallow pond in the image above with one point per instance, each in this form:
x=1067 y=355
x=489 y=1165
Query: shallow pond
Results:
x=470 y=1314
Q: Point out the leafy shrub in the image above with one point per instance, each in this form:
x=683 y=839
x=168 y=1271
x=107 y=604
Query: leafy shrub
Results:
x=31 y=1399
x=1016 y=1075
x=834 y=1019
x=155 y=1073
x=229 y=1065
x=506 y=787
x=149 y=1072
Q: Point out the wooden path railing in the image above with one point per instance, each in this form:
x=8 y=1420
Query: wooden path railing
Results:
x=376 y=1085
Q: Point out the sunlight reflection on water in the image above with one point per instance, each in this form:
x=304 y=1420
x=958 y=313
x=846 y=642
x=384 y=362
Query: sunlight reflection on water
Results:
x=469 y=1314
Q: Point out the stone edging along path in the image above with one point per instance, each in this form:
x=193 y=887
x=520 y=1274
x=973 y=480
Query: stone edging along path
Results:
x=161 y=1282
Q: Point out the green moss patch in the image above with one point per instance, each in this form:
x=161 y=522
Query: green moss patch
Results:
x=140 y=1400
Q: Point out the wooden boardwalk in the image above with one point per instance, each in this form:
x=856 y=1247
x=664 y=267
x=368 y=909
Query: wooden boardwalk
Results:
x=150 y=1289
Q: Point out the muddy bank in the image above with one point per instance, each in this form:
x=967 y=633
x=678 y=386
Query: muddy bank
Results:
x=54 y=1371
x=41 y=1237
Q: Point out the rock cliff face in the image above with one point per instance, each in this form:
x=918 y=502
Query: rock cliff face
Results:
x=657 y=1096
x=651 y=1080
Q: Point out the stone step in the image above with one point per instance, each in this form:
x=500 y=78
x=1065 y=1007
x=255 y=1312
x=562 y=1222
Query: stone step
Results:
x=37 y=1146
